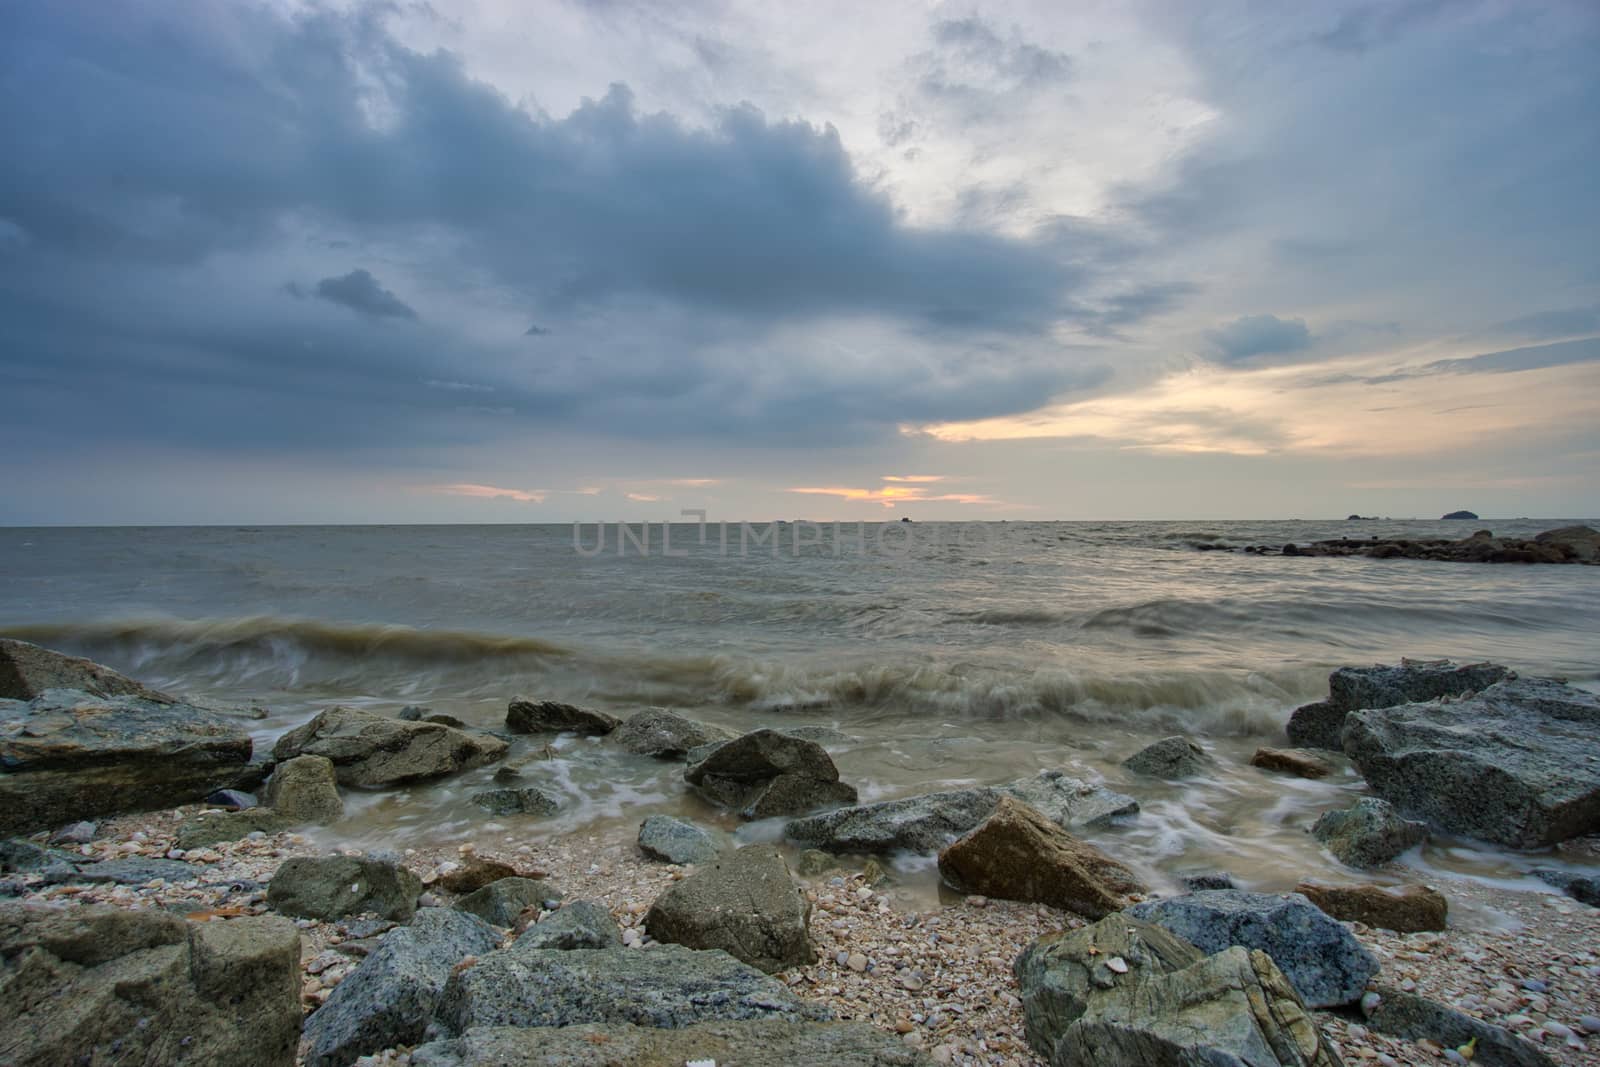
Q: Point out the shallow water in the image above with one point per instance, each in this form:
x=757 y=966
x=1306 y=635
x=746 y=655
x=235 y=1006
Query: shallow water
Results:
x=946 y=654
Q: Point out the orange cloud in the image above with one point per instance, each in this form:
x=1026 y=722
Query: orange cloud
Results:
x=892 y=495
x=913 y=477
x=488 y=492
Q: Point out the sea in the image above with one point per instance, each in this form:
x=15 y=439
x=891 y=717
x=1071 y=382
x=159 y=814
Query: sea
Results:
x=939 y=655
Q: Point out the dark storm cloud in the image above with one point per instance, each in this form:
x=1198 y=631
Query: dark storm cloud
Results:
x=359 y=291
x=1259 y=335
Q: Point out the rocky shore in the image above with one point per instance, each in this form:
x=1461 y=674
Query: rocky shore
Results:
x=1569 y=544
x=209 y=915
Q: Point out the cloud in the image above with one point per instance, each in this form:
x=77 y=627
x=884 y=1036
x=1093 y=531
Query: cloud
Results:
x=536 y=331
x=359 y=291
x=894 y=496
x=913 y=478
x=488 y=492
x=1259 y=335
x=1533 y=357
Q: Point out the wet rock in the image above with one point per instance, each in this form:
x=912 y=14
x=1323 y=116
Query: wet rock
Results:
x=1369 y=833
x=371 y=751
x=745 y=903
x=668 y=986
x=1291 y=761
x=25 y=857
x=1584 y=888
x=1321 y=725
x=1578 y=542
x=473 y=874
x=305 y=789
x=1203 y=880
x=770 y=1042
x=71 y=755
x=390 y=997
x=766 y=773
x=1407 y=910
x=446 y=720
x=28 y=670
x=138 y=870
x=331 y=887
x=1413 y=1018
x=78 y=833
x=658 y=733
x=111 y=986
x=672 y=840
x=524 y=716
x=1517 y=764
x=413 y=712
x=1170 y=758
x=526 y=800
x=503 y=902
x=1018 y=854
x=579 y=924
x=1168 y=1003
x=1071 y=802
x=1325 y=962
x=235 y=799
x=814 y=861
x=209 y=828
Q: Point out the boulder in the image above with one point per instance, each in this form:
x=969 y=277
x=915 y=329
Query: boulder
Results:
x=473 y=874
x=658 y=733
x=109 y=986
x=305 y=789
x=766 y=773
x=523 y=800
x=769 y=1042
x=1291 y=761
x=1321 y=725
x=1018 y=854
x=671 y=840
x=1170 y=758
x=1580 y=887
x=1325 y=962
x=211 y=827
x=390 y=997
x=331 y=887
x=67 y=755
x=1407 y=910
x=1517 y=764
x=1579 y=542
x=1413 y=1018
x=503 y=902
x=579 y=924
x=371 y=751
x=1369 y=833
x=745 y=903
x=524 y=716
x=137 y=870
x=1123 y=993
x=930 y=821
x=668 y=986
x=24 y=857
x=27 y=670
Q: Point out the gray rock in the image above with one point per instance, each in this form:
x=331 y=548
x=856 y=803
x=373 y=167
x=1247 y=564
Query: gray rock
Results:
x=1320 y=725
x=671 y=840
x=371 y=751
x=1207 y=880
x=1326 y=964
x=78 y=833
x=1074 y=804
x=413 y=712
x=524 y=800
x=766 y=773
x=1408 y=1016
x=305 y=789
x=754 y=1043
x=1166 y=1005
x=1517 y=764
x=1579 y=542
x=1170 y=758
x=208 y=828
x=236 y=799
x=503 y=902
x=446 y=720
x=69 y=755
x=745 y=903
x=25 y=857
x=331 y=887
x=929 y=822
x=524 y=716
x=139 y=871
x=1584 y=888
x=389 y=999
x=579 y=924
x=658 y=733
x=27 y=671
x=1369 y=833
x=668 y=986
x=110 y=986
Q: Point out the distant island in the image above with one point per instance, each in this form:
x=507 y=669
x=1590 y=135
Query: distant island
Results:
x=1361 y=518
x=1459 y=515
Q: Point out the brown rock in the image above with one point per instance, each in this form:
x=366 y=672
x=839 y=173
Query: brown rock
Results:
x=1019 y=854
x=26 y=670
x=1291 y=761
x=1408 y=910
x=474 y=874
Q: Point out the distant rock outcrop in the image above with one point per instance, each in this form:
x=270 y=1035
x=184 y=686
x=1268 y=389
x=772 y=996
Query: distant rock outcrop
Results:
x=1458 y=515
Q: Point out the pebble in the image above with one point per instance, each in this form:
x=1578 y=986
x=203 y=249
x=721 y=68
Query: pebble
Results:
x=1117 y=964
x=856 y=962
x=1591 y=1023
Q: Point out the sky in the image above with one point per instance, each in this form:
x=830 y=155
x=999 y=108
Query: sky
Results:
x=507 y=261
